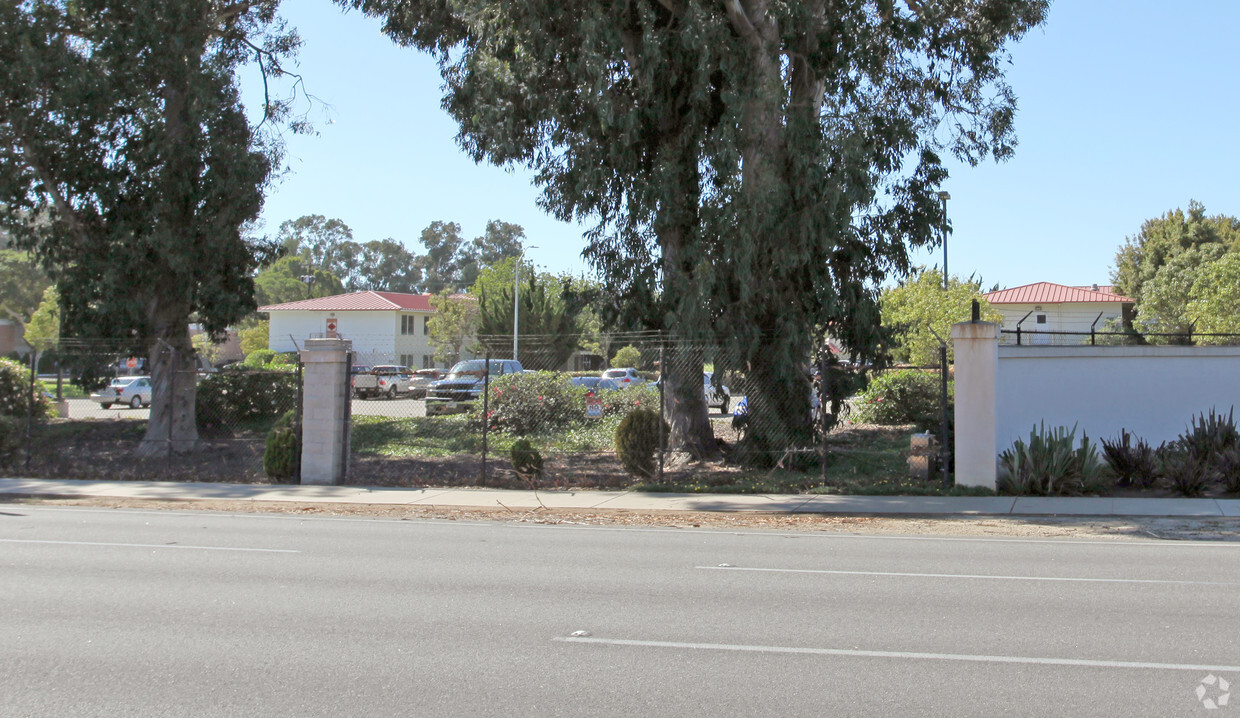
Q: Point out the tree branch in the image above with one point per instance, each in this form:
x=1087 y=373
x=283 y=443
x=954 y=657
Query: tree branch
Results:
x=741 y=23
x=63 y=207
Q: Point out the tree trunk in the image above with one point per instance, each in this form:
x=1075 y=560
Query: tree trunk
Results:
x=172 y=427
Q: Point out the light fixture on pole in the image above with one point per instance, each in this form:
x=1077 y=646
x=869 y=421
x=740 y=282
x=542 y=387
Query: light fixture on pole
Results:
x=943 y=197
x=516 y=290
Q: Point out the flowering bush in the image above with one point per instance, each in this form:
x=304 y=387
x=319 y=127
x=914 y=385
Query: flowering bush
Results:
x=523 y=403
x=909 y=396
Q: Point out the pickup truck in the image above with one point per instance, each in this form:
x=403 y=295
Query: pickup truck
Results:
x=463 y=385
x=387 y=380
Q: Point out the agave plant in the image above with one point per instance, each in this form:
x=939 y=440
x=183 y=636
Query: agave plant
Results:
x=1051 y=464
x=1133 y=465
x=1187 y=472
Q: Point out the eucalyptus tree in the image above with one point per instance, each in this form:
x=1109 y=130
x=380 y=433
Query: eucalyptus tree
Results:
x=752 y=168
x=121 y=124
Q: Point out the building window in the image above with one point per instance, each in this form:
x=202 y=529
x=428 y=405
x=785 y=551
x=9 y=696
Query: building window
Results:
x=1041 y=319
x=428 y=361
x=426 y=326
x=406 y=360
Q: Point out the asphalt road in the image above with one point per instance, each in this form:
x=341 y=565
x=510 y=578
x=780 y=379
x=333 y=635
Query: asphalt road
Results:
x=147 y=613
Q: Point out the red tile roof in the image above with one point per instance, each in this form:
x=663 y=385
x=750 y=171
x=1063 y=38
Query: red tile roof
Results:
x=356 y=302
x=1048 y=293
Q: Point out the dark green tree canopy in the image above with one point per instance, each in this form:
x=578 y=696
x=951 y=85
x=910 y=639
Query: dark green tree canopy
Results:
x=1143 y=255
x=122 y=130
x=752 y=169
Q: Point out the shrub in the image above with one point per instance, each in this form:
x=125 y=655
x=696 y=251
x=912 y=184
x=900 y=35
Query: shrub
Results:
x=241 y=395
x=1051 y=465
x=1187 y=473
x=637 y=440
x=908 y=396
x=282 y=458
x=12 y=437
x=622 y=402
x=1133 y=465
x=1209 y=436
x=526 y=461
x=523 y=403
x=259 y=358
x=15 y=392
x=626 y=357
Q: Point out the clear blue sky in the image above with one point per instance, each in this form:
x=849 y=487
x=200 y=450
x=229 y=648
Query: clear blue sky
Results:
x=1126 y=110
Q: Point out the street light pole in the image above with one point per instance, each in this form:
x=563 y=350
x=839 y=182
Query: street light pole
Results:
x=516 y=306
x=943 y=197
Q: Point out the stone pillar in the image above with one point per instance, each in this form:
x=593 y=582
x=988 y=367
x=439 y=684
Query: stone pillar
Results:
x=324 y=412
x=976 y=345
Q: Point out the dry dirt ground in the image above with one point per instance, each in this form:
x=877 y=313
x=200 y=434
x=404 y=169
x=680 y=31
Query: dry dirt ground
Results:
x=1171 y=529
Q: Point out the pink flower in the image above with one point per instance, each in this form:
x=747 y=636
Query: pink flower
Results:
x=637 y=402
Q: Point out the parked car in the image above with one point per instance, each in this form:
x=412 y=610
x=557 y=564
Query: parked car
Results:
x=388 y=380
x=422 y=380
x=626 y=376
x=457 y=391
x=718 y=396
x=132 y=391
x=595 y=383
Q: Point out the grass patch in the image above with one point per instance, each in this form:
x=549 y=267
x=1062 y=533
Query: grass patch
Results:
x=450 y=435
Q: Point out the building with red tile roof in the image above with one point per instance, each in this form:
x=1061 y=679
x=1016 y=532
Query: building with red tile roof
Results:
x=385 y=327
x=1046 y=307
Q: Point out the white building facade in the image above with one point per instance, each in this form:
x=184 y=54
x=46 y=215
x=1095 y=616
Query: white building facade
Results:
x=1041 y=309
x=384 y=327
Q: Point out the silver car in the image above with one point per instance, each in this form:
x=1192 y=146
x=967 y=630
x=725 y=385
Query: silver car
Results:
x=134 y=391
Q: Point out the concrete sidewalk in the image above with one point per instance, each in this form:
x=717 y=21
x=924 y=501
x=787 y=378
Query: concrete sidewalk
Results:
x=626 y=500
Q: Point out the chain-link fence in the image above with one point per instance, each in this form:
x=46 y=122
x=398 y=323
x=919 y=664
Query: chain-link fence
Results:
x=565 y=397
x=103 y=409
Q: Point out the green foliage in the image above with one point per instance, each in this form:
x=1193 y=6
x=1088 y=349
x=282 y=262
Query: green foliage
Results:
x=454 y=326
x=637 y=441
x=238 y=396
x=282 y=457
x=1051 y=464
x=522 y=404
x=259 y=358
x=254 y=337
x=283 y=282
x=23 y=284
x=15 y=393
x=906 y=396
x=550 y=327
x=1213 y=298
x=1185 y=472
x=701 y=220
x=12 y=439
x=1143 y=256
x=627 y=356
x=919 y=304
x=526 y=461
x=43 y=329
x=1133 y=465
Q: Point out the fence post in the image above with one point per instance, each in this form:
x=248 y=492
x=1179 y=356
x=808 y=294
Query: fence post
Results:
x=174 y=364
x=944 y=432
x=662 y=402
x=34 y=360
x=347 y=428
x=823 y=365
x=977 y=367
x=486 y=410
x=326 y=411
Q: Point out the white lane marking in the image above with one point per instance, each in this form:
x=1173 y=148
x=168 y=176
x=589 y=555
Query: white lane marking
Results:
x=1025 y=660
x=152 y=545
x=969 y=575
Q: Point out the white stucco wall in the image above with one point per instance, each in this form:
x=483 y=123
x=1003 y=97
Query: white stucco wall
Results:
x=1152 y=392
